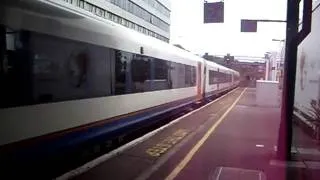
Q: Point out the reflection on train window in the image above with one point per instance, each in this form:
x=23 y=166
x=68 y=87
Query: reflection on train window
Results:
x=213 y=77
x=190 y=79
x=43 y=69
x=161 y=78
x=39 y=68
x=224 y=78
x=140 y=70
x=161 y=69
x=122 y=72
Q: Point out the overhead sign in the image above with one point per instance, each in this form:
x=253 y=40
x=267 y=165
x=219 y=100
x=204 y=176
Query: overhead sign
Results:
x=214 y=12
x=248 y=25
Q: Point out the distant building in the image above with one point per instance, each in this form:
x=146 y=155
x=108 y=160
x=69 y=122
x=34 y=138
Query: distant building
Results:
x=216 y=59
x=150 y=17
x=227 y=61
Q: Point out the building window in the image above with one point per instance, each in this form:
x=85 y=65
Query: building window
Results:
x=131 y=7
x=106 y=15
x=68 y=1
x=118 y=19
x=143 y=14
x=81 y=4
x=127 y=24
x=123 y=21
x=161 y=8
x=133 y=26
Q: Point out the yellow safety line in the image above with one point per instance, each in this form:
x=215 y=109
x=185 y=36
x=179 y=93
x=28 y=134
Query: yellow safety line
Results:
x=195 y=148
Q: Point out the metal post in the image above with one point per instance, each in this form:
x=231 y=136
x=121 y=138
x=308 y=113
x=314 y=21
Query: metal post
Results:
x=285 y=130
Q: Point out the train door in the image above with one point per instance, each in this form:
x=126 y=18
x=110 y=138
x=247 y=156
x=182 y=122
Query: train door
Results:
x=232 y=79
x=204 y=80
x=199 y=89
x=218 y=82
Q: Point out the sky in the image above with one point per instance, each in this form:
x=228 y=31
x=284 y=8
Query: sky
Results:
x=188 y=29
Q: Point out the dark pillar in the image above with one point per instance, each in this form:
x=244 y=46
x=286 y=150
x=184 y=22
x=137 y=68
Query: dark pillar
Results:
x=285 y=130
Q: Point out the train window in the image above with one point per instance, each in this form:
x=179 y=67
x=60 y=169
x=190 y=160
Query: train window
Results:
x=221 y=77
x=140 y=69
x=123 y=82
x=225 y=75
x=190 y=76
x=182 y=75
x=42 y=68
x=160 y=78
x=177 y=73
x=187 y=76
x=160 y=69
x=66 y=70
x=214 y=77
x=211 y=77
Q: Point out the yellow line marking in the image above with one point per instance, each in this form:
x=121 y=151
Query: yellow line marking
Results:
x=162 y=147
x=195 y=148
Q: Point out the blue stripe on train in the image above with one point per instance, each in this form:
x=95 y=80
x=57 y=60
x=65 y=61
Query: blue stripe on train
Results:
x=102 y=132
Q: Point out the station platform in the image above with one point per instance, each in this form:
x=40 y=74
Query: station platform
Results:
x=228 y=138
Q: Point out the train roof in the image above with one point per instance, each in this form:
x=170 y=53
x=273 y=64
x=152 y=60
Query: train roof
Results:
x=215 y=65
x=146 y=41
x=75 y=23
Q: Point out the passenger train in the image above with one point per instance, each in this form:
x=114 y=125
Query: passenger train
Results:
x=69 y=78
